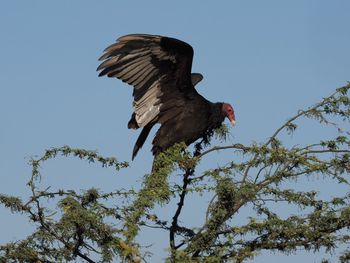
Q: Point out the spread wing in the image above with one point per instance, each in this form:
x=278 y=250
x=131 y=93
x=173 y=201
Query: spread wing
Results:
x=158 y=67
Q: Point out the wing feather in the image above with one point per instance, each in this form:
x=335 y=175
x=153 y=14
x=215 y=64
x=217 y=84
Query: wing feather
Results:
x=146 y=79
x=141 y=73
x=158 y=67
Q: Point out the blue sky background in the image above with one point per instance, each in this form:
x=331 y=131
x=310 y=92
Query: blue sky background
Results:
x=267 y=58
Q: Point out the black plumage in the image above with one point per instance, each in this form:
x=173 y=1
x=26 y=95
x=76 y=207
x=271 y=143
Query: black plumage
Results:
x=159 y=69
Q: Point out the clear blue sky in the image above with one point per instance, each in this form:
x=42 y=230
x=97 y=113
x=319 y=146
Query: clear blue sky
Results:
x=267 y=58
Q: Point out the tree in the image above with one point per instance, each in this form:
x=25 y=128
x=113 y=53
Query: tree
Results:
x=98 y=227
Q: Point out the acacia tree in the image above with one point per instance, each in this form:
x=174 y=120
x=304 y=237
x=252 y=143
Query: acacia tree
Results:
x=94 y=226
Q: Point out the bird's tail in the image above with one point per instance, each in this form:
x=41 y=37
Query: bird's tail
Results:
x=141 y=139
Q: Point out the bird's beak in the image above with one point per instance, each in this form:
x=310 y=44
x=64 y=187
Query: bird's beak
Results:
x=232 y=120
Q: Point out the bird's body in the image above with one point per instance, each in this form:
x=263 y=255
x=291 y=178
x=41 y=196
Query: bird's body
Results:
x=183 y=128
x=159 y=68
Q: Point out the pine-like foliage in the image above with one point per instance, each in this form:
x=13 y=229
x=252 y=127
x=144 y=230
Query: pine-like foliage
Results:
x=94 y=226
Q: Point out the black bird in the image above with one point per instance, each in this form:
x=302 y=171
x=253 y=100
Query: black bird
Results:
x=159 y=69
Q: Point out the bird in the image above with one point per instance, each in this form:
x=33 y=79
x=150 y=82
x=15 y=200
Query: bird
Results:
x=159 y=69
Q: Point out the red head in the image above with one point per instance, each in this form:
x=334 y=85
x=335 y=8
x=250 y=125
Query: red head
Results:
x=229 y=112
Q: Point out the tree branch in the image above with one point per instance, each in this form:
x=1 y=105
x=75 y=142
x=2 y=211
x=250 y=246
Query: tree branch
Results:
x=237 y=146
x=174 y=225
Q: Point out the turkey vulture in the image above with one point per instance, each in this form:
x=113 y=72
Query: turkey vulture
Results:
x=159 y=69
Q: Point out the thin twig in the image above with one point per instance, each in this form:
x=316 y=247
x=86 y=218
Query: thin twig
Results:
x=237 y=146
